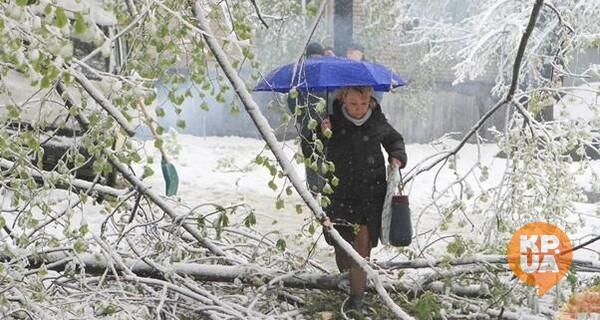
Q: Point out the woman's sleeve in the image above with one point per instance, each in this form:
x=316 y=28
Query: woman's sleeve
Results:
x=393 y=142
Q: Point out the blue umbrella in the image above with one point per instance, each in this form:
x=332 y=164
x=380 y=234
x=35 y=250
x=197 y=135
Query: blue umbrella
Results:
x=329 y=73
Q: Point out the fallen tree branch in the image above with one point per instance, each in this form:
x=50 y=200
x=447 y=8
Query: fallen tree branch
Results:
x=162 y=204
x=143 y=189
x=588 y=265
x=481 y=312
x=42 y=176
x=583 y=245
x=252 y=275
x=267 y=133
x=70 y=103
x=103 y=102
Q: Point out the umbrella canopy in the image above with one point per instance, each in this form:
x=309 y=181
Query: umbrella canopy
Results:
x=329 y=73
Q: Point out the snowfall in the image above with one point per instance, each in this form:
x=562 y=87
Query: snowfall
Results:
x=222 y=170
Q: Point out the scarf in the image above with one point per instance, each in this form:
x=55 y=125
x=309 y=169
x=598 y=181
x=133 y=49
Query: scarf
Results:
x=357 y=122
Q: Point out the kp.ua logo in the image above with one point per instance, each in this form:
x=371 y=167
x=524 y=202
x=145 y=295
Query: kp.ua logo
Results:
x=540 y=255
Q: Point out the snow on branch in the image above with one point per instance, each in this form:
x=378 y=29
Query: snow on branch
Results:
x=267 y=133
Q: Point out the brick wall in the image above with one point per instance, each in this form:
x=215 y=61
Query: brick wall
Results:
x=437 y=107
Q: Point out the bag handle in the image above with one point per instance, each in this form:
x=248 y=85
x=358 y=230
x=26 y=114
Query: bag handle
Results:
x=400 y=186
x=400 y=183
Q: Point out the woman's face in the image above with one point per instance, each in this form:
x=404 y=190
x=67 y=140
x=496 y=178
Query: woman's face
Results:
x=356 y=104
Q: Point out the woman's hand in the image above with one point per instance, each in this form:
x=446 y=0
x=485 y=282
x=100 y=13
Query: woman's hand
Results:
x=325 y=125
x=396 y=163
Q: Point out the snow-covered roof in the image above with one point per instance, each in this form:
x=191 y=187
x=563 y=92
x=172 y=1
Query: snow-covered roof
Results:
x=30 y=100
x=46 y=105
x=95 y=9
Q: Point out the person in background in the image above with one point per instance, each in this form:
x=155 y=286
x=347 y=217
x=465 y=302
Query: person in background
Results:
x=328 y=52
x=355 y=51
x=314 y=180
x=313 y=50
x=359 y=130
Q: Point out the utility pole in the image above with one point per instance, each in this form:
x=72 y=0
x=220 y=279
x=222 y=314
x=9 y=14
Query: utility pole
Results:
x=342 y=26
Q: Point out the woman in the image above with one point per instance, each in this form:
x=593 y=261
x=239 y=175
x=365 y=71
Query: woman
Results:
x=359 y=130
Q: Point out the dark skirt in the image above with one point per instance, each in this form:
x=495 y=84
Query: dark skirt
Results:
x=348 y=214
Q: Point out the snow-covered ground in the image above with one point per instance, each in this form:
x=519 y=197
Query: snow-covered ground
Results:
x=221 y=170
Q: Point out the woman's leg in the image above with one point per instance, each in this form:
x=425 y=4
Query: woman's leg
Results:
x=358 y=278
x=343 y=261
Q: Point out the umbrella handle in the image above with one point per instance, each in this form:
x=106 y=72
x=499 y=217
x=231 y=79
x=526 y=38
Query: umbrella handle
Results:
x=329 y=107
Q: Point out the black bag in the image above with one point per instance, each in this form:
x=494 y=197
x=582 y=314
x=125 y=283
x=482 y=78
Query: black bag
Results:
x=400 y=226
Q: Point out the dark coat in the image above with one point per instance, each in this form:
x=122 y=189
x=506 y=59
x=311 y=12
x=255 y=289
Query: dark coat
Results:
x=309 y=101
x=361 y=167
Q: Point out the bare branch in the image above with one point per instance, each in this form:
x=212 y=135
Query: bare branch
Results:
x=509 y=96
x=559 y=16
x=258 y=13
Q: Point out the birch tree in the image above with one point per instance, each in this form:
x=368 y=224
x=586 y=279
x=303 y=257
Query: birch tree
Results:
x=91 y=248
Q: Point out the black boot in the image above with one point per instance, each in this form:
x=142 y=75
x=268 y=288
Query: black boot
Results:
x=355 y=304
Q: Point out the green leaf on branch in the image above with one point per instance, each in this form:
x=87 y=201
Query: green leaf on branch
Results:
x=279 y=204
x=250 y=220
x=320 y=107
x=427 y=307
x=324 y=168
x=325 y=202
x=79 y=246
x=60 y=17
x=223 y=220
x=158 y=143
x=331 y=166
x=311 y=229
x=147 y=172
x=80 y=25
x=457 y=247
x=281 y=244
x=335 y=181
x=319 y=145
x=83 y=230
x=259 y=160
x=294 y=93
